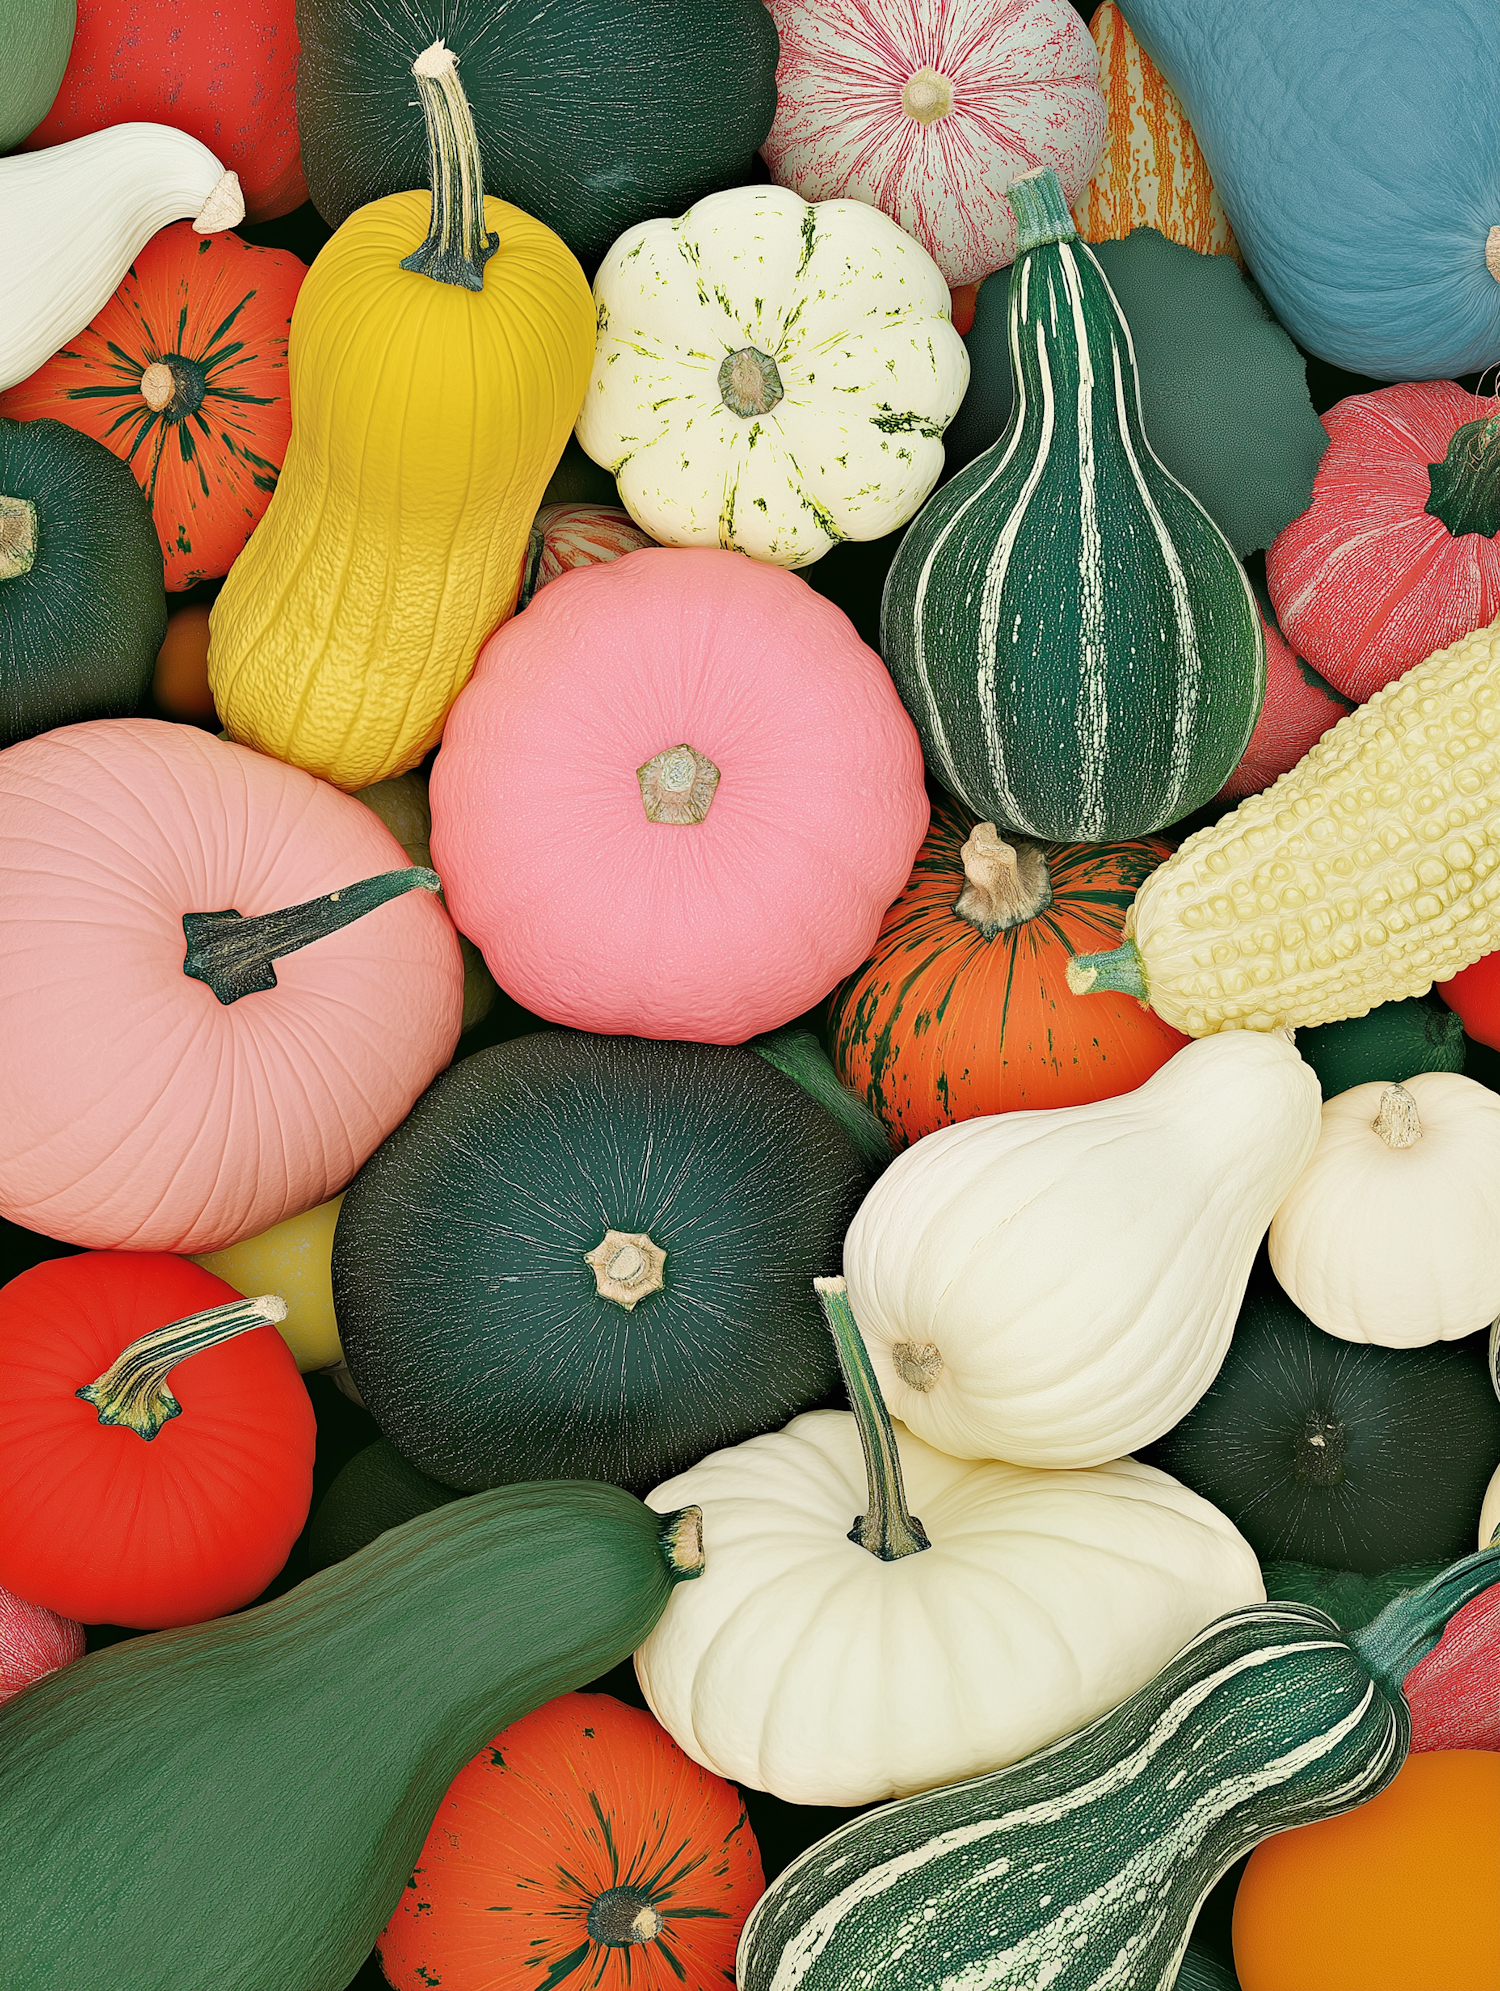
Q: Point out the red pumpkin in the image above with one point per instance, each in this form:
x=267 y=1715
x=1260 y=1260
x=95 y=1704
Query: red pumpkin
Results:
x=1398 y=554
x=186 y=1502
x=962 y=1013
x=1298 y=710
x=580 y=1848
x=183 y=375
x=1452 y=1694
x=1475 y=993
x=225 y=74
x=33 y=1641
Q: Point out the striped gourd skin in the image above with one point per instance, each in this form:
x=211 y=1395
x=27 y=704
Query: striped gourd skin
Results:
x=1071 y=633
x=1083 y=1868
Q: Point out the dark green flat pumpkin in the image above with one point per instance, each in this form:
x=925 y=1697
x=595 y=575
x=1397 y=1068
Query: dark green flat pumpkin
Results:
x=592 y=115
x=82 y=607
x=1340 y=1453
x=375 y=1492
x=1393 y=1042
x=592 y=1257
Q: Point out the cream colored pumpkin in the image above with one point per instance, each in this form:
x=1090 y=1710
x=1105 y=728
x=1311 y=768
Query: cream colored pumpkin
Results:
x=1392 y=1232
x=770 y=376
x=1058 y=1288
x=1489 y=1513
x=805 y=1664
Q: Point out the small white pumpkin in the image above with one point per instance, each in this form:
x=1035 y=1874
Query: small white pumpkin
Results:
x=72 y=218
x=1058 y=1288
x=1001 y=1609
x=772 y=377
x=1489 y=1513
x=1392 y=1232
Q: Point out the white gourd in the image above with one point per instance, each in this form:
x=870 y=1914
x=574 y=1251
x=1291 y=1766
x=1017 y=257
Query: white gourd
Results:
x=1489 y=1513
x=772 y=377
x=1058 y=1288
x=74 y=216
x=1391 y=1234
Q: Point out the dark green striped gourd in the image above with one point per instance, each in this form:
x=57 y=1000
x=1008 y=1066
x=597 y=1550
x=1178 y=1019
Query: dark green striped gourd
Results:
x=1083 y=1867
x=1070 y=631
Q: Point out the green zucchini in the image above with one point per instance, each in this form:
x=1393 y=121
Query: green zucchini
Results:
x=1073 y=637
x=238 y=1804
x=1084 y=1866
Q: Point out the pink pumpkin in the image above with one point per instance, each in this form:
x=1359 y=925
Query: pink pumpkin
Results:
x=676 y=797
x=567 y=536
x=1298 y=711
x=33 y=1641
x=929 y=112
x=157 y=1095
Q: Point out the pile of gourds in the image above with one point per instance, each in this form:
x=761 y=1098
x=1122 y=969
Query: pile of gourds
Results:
x=752 y=1072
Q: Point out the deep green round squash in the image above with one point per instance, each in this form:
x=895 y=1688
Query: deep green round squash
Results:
x=477 y=1333
x=1339 y=1453
x=1393 y=1042
x=592 y=115
x=82 y=606
x=376 y=1491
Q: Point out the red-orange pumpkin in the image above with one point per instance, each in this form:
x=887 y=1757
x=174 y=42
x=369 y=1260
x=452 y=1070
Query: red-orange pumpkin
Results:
x=1298 y=710
x=964 y=1012
x=581 y=1848
x=183 y=375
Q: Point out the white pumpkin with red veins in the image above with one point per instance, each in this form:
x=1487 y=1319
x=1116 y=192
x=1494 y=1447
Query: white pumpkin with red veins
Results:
x=567 y=536
x=930 y=112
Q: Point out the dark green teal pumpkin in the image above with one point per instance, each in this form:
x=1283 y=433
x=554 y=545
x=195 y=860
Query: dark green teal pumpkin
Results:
x=1340 y=1453
x=592 y=1257
x=82 y=606
x=376 y=1491
x=1392 y=1042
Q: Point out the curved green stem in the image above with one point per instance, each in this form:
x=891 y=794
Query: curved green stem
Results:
x=1121 y=968
x=133 y=1389
x=234 y=954
x=1040 y=206
x=888 y=1528
x=1410 y=1626
x=458 y=244
x=1465 y=486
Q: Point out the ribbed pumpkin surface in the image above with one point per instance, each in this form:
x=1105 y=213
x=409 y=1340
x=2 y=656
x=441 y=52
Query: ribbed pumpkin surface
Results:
x=942 y=1024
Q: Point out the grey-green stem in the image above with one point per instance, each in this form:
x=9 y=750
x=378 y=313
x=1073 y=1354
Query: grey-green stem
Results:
x=887 y=1528
x=234 y=954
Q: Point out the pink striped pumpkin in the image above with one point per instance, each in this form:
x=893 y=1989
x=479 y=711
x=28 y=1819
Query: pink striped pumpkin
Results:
x=33 y=1641
x=929 y=112
x=567 y=536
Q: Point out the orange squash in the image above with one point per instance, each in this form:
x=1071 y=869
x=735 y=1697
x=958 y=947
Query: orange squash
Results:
x=964 y=1009
x=1397 y=1895
x=580 y=1848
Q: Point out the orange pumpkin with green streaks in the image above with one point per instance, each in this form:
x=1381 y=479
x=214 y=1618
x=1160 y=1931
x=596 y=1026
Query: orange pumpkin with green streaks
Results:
x=964 y=1008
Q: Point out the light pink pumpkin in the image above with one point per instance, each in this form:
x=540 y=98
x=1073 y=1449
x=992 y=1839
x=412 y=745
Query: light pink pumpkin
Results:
x=1299 y=708
x=136 y=1109
x=593 y=914
x=929 y=111
x=33 y=1641
x=569 y=536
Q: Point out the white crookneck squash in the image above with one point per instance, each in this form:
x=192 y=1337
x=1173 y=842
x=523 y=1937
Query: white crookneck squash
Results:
x=844 y=1646
x=1057 y=1288
x=770 y=376
x=1391 y=1233
x=72 y=218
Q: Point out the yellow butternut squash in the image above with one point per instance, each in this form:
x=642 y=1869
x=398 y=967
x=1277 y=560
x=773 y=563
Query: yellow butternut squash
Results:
x=434 y=383
x=293 y=1258
x=1368 y=872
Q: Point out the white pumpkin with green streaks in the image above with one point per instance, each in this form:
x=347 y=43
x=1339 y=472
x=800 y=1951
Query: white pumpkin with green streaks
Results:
x=1071 y=633
x=770 y=376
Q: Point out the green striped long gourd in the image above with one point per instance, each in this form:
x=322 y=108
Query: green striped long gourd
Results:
x=1071 y=633
x=239 y=1804
x=1083 y=1867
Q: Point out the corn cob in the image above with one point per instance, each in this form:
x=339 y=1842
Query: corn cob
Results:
x=1369 y=871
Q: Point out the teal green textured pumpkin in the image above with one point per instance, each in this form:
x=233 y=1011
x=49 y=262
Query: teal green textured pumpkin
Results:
x=1070 y=631
x=1393 y=1042
x=373 y=1493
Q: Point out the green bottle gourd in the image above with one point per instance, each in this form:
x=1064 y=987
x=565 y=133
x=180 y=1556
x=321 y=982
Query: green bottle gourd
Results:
x=1083 y=1867
x=1073 y=637
x=238 y=1804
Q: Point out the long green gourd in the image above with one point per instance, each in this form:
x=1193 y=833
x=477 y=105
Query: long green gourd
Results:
x=1070 y=631
x=238 y=1805
x=1083 y=1867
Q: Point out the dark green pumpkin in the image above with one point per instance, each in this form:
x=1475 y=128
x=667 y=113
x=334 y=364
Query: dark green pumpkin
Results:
x=1350 y=1599
x=1340 y=1453
x=82 y=606
x=1393 y=1042
x=376 y=1491
x=474 y=1329
x=592 y=115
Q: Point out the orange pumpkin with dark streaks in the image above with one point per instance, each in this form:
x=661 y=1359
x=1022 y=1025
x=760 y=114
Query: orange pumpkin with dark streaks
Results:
x=964 y=1008
x=580 y=1849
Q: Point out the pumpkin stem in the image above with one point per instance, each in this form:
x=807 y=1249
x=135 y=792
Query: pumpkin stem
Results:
x=1397 y=1123
x=677 y=785
x=888 y=1528
x=1410 y=1626
x=1040 y=206
x=627 y=1266
x=1004 y=884
x=927 y=96
x=1465 y=486
x=224 y=208
x=17 y=537
x=680 y=1538
x=133 y=1389
x=458 y=244
x=174 y=387
x=233 y=954
x=1121 y=968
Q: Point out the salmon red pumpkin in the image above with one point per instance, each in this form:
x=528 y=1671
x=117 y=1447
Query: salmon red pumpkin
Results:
x=183 y=375
x=580 y=1849
x=962 y=1013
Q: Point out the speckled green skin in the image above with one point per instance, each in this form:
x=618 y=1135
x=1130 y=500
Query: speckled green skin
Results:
x=238 y=1805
